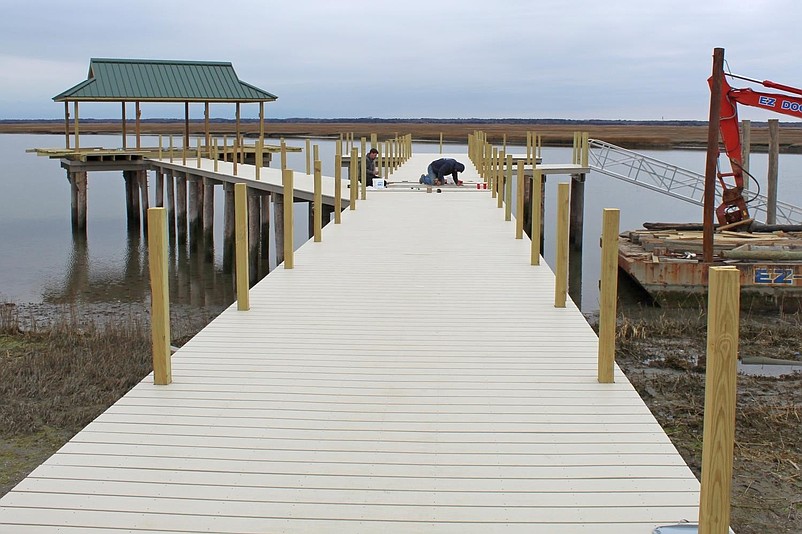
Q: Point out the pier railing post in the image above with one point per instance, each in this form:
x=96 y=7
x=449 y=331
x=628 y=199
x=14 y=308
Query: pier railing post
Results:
x=338 y=192
x=352 y=172
x=289 y=189
x=519 y=203
x=241 y=240
x=720 y=396
x=363 y=169
x=160 y=295
x=308 y=158
x=561 y=270
x=608 y=293
x=537 y=210
x=318 y=207
x=508 y=189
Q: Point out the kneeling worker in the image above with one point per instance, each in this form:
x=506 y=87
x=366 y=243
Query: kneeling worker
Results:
x=439 y=169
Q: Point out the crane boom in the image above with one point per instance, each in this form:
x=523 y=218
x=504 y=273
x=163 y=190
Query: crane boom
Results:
x=733 y=206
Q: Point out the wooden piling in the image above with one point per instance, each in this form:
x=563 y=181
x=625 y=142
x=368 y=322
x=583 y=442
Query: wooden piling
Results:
x=363 y=169
x=241 y=232
x=208 y=212
x=720 y=400
x=278 y=225
x=608 y=294
x=254 y=225
x=561 y=271
x=181 y=207
x=576 y=230
x=229 y=223
x=160 y=296
x=78 y=187
x=773 y=166
x=264 y=233
x=159 y=188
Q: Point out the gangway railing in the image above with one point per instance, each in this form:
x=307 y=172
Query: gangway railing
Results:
x=674 y=181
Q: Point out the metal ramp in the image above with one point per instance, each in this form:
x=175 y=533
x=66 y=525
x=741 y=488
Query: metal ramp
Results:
x=671 y=180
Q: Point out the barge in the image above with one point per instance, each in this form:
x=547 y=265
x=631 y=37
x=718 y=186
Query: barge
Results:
x=667 y=264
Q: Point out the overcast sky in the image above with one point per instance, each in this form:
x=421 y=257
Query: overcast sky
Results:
x=580 y=59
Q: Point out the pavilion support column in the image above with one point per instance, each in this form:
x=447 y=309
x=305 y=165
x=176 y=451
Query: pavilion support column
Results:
x=228 y=228
x=254 y=227
x=575 y=229
x=137 y=130
x=206 y=132
x=67 y=124
x=132 y=199
x=181 y=208
x=75 y=129
x=186 y=125
x=278 y=226
x=125 y=131
x=78 y=193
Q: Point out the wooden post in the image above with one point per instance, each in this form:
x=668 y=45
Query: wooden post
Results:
x=519 y=203
x=259 y=160
x=254 y=227
x=78 y=189
x=537 y=209
x=318 y=203
x=771 y=177
x=160 y=296
x=283 y=154
x=170 y=186
x=720 y=395
x=608 y=294
x=363 y=169
x=711 y=161
x=352 y=172
x=278 y=225
x=441 y=142
x=75 y=121
x=229 y=224
x=561 y=271
x=235 y=155
x=287 y=181
x=124 y=128
x=308 y=158
x=67 y=124
x=746 y=150
x=181 y=207
x=159 y=187
x=241 y=239
x=500 y=182
x=171 y=148
x=508 y=189
x=208 y=212
x=338 y=193
x=264 y=232
x=136 y=125
x=576 y=232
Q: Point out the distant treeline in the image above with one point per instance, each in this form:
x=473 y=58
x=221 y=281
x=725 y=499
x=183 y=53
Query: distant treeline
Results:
x=423 y=120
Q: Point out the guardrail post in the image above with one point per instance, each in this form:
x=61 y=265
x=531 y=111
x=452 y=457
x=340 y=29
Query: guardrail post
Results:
x=508 y=189
x=160 y=296
x=608 y=293
x=561 y=271
x=287 y=181
x=354 y=183
x=519 y=203
x=363 y=169
x=241 y=240
x=441 y=142
x=318 y=207
x=536 y=209
x=720 y=395
x=585 y=149
x=338 y=192
x=308 y=156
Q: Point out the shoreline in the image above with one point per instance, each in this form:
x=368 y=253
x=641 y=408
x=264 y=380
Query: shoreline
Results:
x=669 y=136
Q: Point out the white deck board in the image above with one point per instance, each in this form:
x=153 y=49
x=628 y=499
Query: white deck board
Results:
x=409 y=375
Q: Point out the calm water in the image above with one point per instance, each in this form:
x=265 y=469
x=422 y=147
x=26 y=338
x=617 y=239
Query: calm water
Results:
x=40 y=262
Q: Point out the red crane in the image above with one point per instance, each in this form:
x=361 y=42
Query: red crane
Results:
x=733 y=206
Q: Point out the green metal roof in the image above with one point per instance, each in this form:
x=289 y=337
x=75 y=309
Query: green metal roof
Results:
x=117 y=80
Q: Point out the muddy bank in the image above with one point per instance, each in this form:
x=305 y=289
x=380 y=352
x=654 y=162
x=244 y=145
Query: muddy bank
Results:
x=662 y=353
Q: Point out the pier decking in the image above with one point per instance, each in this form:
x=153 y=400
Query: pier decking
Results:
x=410 y=374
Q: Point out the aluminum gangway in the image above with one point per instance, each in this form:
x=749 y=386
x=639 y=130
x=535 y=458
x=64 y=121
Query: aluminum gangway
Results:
x=672 y=180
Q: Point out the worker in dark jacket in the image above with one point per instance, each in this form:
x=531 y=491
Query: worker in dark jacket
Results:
x=439 y=169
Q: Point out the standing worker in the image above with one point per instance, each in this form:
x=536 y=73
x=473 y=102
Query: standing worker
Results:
x=439 y=168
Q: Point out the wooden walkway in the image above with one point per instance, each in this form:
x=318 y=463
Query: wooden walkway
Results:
x=409 y=375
